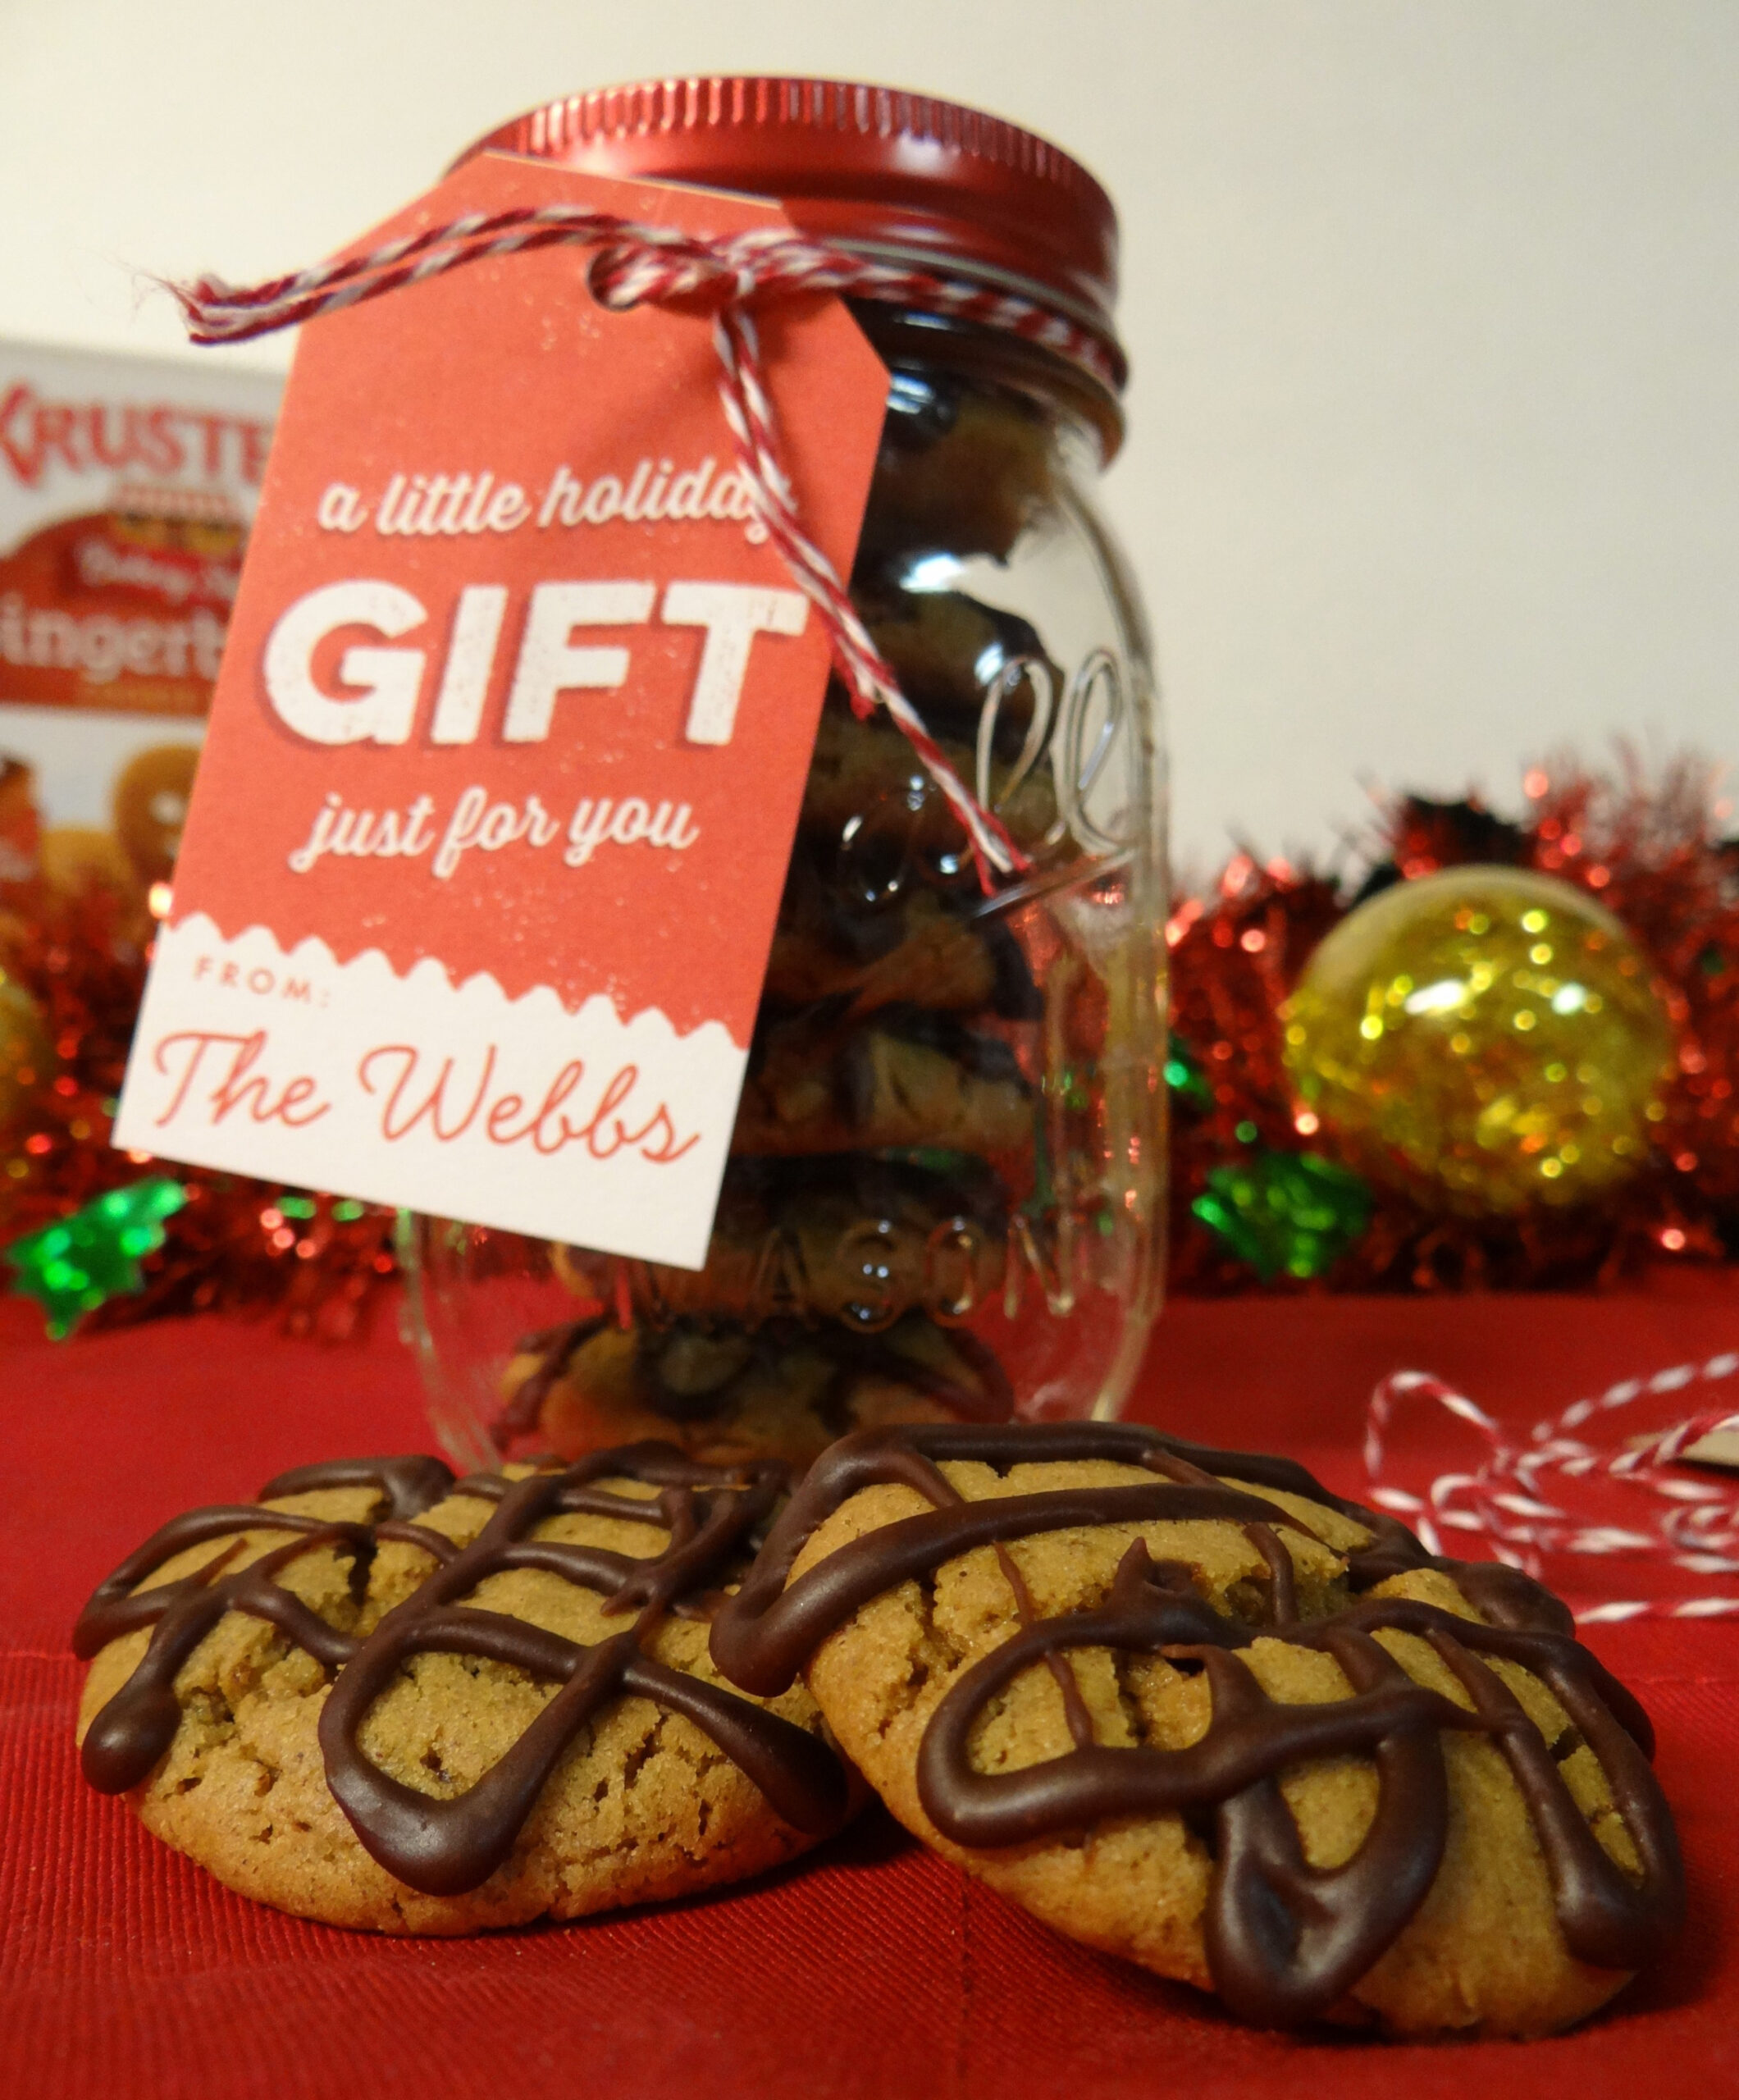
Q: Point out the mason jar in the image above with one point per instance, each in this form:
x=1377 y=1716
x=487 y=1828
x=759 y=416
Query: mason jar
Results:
x=945 y=1197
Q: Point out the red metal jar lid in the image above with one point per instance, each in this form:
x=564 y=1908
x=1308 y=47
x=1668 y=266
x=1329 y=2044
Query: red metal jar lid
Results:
x=876 y=170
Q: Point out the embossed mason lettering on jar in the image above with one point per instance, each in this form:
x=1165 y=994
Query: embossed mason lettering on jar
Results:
x=946 y=1190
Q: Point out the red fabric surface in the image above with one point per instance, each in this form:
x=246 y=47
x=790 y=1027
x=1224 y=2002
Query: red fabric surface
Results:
x=872 y=1970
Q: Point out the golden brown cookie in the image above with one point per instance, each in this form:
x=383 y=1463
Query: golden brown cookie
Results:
x=77 y=857
x=20 y=821
x=966 y=470
x=385 y=1699
x=1190 y=1708
x=949 y=652
x=149 y=803
x=915 y=949
x=863 y=776
x=726 y=1393
x=906 y=1078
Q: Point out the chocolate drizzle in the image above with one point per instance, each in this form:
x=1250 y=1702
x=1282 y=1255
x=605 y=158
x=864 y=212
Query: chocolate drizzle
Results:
x=1284 y=1940
x=444 y=1846
x=137 y=1726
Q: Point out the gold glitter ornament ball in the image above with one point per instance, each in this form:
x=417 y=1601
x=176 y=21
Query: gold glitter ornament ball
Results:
x=1485 y=1038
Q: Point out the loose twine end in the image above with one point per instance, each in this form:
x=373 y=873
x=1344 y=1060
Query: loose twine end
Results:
x=1515 y=1501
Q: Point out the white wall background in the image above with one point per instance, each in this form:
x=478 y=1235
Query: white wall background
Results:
x=1433 y=307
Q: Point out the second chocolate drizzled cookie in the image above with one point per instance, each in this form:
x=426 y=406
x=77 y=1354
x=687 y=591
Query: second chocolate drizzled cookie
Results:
x=1188 y=1706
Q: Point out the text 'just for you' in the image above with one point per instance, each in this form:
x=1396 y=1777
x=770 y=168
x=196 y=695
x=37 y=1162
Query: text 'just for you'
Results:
x=478 y=823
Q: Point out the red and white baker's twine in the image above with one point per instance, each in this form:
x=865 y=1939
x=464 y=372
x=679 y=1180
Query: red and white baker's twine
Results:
x=1513 y=1501
x=637 y=263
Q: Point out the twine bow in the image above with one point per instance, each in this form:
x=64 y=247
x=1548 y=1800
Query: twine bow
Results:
x=638 y=263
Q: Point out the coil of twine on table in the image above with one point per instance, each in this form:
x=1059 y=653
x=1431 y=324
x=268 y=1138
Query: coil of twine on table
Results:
x=1517 y=1499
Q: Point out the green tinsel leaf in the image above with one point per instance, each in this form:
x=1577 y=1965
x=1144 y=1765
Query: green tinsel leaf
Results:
x=1285 y=1212
x=73 y=1266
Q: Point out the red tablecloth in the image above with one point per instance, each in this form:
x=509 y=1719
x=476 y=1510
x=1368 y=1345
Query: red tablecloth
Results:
x=874 y=1970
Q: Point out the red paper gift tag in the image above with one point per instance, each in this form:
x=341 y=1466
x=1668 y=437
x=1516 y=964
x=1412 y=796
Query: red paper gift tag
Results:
x=478 y=884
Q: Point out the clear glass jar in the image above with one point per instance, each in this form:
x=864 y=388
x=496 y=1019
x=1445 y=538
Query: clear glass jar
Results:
x=946 y=1193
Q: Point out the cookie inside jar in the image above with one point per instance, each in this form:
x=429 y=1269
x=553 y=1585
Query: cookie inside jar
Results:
x=944 y=1195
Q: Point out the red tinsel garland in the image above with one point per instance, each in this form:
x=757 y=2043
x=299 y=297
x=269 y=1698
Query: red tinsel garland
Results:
x=1652 y=854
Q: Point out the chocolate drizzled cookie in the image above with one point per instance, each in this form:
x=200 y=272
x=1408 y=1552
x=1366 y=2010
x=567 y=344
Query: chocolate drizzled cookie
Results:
x=1188 y=1706
x=381 y=1696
